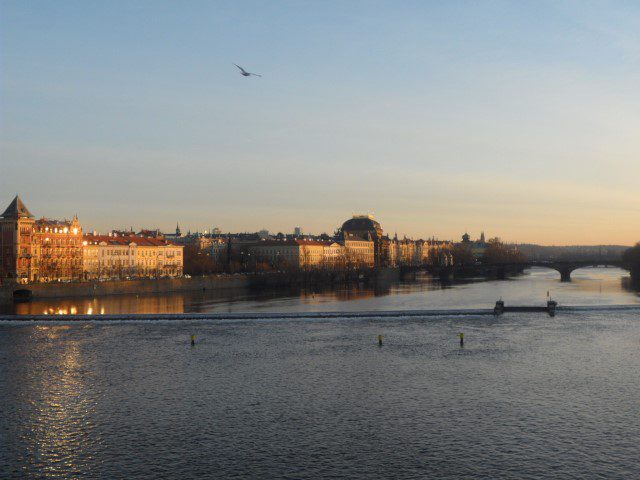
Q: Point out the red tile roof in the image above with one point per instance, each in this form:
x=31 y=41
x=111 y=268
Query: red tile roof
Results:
x=126 y=240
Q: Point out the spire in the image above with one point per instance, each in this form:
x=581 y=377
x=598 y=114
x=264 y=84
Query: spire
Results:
x=177 y=229
x=17 y=209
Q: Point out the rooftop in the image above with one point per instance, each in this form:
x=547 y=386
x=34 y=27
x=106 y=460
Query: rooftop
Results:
x=16 y=209
x=126 y=240
x=291 y=243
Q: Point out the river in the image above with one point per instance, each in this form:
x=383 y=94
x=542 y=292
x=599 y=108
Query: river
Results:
x=528 y=396
x=589 y=286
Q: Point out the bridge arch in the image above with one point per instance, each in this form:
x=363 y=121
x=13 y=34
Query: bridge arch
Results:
x=567 y=268
x=563 y=276
x=606 y=265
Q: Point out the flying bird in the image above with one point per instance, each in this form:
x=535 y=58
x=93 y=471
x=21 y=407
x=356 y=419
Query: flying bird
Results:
x=244 y=73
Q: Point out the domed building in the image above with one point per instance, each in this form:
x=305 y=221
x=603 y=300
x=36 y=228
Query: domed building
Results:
x=367 y=228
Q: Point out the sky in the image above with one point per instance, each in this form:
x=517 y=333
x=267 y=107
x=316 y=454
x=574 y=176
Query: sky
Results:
x=519 y=119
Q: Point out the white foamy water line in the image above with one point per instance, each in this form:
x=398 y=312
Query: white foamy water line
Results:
x=17 y=319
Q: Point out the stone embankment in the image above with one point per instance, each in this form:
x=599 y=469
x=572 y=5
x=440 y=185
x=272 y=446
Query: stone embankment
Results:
x=122 y=287
x=205 y=283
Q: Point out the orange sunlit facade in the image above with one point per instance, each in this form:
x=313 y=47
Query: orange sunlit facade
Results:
x=38 y=250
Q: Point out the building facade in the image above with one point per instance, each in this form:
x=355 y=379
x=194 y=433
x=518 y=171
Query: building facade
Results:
x=368 y=229
x=358 y=251
x=333 y=254
x=41 y=250
x=17 y=243
x=58 y=250
x=116 y=257
x=296 y=253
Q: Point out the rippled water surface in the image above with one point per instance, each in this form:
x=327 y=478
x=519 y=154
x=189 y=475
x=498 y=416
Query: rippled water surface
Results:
x=590 y=286
x=528 y=396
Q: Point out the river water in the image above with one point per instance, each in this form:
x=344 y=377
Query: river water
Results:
x=590 y=286
x=528 y=396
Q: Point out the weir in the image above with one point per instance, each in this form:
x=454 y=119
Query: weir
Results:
x=550 y=308
x=279 y=316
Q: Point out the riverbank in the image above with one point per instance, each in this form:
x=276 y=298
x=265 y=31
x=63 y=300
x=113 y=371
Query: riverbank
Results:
x=201 y=283
x=124 y=287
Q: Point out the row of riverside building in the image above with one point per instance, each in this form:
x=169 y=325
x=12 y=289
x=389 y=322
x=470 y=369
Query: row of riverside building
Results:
x=47 y=250
x=359 y=242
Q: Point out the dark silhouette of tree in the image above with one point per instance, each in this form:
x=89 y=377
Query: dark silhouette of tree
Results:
x=499 y=253
x=631 y=260
x=198 y=262
x=462 y=255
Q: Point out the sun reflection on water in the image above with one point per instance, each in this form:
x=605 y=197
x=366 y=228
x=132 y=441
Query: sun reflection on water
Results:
x=170 y=303
x=60 y=423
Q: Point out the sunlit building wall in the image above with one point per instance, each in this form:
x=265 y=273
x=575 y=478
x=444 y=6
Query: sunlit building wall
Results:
x=358 y=251
x=17 y=243
x=39 y=250
x=58 y=250
x=118 y=257
x=296 y=253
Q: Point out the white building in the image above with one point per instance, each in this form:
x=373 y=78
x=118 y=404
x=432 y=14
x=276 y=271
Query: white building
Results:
x=105 y=256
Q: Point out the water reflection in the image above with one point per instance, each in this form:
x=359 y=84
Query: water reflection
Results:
x=630 y=285
x=172 y=303
x=60 y=416
x=589 y=286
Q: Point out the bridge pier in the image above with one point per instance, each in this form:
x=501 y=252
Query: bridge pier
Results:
x=565 y=274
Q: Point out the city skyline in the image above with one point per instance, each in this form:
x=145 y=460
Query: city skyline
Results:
x=296 y=230
x=515 y=119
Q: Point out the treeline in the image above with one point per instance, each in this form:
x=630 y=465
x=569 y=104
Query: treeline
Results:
x=499 y=253
x=495 y=253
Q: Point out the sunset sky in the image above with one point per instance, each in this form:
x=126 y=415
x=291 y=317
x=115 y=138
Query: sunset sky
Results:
x=521 y=119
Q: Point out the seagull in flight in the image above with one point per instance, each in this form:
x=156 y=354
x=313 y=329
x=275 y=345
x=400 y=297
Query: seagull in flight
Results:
x=244 y=73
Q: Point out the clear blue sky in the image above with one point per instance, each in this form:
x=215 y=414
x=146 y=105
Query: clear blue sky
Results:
x=518 y=118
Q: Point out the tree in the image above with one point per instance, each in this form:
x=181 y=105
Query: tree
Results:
x=462 y=255
x=631 y=260
x=499 y=253
x=305 y=258
x=198 y=262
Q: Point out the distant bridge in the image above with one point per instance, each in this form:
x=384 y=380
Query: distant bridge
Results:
x=564 y=267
